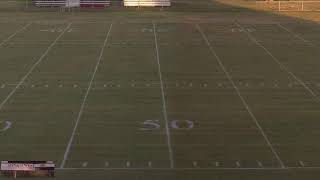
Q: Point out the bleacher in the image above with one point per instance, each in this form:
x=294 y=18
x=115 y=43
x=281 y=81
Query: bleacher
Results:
x=73 y=3
x=151 y=3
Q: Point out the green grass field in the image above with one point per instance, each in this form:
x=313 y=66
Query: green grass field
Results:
x=161 y=95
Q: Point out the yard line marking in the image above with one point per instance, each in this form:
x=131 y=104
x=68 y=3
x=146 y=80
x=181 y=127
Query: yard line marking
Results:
x=7 y=125
x=195 y=164
x=128 y=164
x=244 y=102
x=33 y=67
x=14 y=34
x=301 y=163
x=295 y=35
x=85 y=99
x=284 y=68
x=164 y=104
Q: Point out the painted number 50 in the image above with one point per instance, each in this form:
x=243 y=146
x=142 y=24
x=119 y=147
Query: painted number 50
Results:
x=174 y=124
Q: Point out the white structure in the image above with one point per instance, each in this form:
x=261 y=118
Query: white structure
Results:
x=151 y=3
x=73 y=3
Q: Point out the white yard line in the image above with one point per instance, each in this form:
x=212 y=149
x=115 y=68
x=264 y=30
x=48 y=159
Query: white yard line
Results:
x=284 y=68
x=240 y=96
x=164 y=104
x=296 y=35
x=14 y=34
x=65 y=157
x=33 y=67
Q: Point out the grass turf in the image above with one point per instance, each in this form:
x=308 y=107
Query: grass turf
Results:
x=210 y=123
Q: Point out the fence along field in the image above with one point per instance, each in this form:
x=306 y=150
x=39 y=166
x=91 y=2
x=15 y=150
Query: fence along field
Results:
x=290 y=5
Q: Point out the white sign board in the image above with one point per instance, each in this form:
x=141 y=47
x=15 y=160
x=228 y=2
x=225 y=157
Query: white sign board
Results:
x=72 y=3
x=17 y=167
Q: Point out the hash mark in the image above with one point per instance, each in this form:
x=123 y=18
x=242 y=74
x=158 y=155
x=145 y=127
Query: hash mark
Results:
x=238 y=164
x=301 y=163
x=195 y=164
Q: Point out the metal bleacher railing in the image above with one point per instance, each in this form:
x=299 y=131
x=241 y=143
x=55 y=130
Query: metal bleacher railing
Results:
x=99 y=4
x=66 y=3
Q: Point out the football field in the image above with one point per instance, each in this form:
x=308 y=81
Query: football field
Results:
x=150 y=99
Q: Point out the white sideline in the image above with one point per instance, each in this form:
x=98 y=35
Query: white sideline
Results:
x=240 y=96
x=284 y=68
x=65 y=156
x=14 y=34
x=32 y=68
x=199 y=169
x=164 y=104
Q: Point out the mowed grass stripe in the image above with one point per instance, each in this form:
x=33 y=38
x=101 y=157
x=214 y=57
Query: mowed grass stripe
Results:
x=283 y=67
x=241 y=97
x=33 y=67
x=120 y=105
x=65 y=156
x=295 y=35
x=14 y=34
